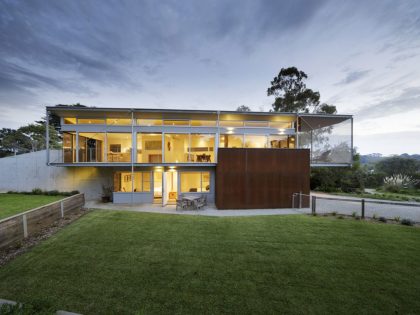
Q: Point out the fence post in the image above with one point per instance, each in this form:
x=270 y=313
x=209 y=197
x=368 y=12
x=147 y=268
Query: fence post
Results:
x=363 y=208
x=293 y=201
x=313 y=204
x=25 y=226
x=62 y=209
x=300 y=199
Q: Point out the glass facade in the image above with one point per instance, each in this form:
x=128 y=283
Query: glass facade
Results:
x=231 y=141
x=331 y=144
x=195 y=182
x=255 y=141
x=119 y=147
x=194 y=139
x=136 y=182
x=91 y=147
x=149 y=148
x=176 y=148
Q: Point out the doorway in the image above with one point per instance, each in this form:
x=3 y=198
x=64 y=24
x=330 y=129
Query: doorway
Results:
x=170 y=187
x=157 y=187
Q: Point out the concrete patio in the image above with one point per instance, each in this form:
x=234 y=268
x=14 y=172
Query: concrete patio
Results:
x=209 y=210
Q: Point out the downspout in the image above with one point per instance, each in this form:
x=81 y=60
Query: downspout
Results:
x=47 y=136
x=351 y=145
x=132 y=156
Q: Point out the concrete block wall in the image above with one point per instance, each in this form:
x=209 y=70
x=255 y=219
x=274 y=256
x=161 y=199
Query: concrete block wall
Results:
x=28 y=171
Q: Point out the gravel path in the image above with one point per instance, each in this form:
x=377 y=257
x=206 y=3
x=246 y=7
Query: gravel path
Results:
x=409 y=210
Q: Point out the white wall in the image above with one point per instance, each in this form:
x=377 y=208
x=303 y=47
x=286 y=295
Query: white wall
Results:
x=28 y=171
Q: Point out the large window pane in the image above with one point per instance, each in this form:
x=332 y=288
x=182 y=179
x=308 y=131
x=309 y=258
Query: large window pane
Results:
x=69 y=147
x=202 y=148
x=231 y=141
x=119 y=147
x=69 y=121
x=176 y=122
x=231 y=123
x=124 y=182
x=91 y=121
x=255 y=141
x=91 y=147
x=281 y=141
x=256 y=123
x=281 y=124
x=118 y=121
x=195 y=182
x=149 y=122
x=176 y=148
x=203 y=123
x=149 y=148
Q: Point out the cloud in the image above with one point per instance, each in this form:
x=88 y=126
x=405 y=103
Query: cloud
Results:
x=407 y=100
x=353 y=76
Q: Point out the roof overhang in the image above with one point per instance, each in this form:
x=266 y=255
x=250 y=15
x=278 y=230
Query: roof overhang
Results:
x=316 y=121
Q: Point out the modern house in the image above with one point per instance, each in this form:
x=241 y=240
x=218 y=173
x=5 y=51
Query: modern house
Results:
x=238 y=159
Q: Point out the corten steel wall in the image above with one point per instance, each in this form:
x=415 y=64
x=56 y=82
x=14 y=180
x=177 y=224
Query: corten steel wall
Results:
x=20 y=226
x=261 y=178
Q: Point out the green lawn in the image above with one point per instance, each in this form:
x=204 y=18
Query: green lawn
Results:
x=111 y=262
x=11 y=204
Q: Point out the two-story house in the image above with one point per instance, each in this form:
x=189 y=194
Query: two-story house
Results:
x=237 y=159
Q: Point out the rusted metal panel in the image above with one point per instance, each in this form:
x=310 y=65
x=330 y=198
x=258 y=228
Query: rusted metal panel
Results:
x=260 y=178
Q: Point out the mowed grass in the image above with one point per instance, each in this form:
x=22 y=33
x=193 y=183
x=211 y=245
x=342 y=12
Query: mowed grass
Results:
x=11 y=204
x=111 y=262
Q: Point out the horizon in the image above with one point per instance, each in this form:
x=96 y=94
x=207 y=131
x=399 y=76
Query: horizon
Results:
x=361 y=57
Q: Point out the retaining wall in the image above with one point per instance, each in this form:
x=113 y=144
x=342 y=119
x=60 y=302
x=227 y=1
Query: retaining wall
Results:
x=22 y=225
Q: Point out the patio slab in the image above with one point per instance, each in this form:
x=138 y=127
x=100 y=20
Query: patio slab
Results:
x=210 y=210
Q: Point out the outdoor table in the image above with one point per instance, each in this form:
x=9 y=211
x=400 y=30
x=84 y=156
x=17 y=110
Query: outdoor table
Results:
x=192 y=199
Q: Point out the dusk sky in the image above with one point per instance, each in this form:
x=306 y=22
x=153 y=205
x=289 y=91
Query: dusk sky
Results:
x=362 y=56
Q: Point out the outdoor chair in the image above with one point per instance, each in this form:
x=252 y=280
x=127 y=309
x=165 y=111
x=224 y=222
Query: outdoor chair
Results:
x=181 y=204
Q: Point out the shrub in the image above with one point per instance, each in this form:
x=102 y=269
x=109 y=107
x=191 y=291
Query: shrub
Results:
x=74 y=192
x=354 y=214
x=397 y=219
x=340 y=217
x=407 y=222
x=52 y=193
x=37 y=191
x=382 y=219
x=334 y=213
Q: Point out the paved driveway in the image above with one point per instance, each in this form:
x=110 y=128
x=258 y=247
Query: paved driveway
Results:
x=409 y=210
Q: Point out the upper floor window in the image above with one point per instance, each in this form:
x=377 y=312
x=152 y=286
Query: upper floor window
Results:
x=176 y=122
x=149 y=122
x=203 y=123
x=231 y=123
x=281 y=124
x=118 y=121
x=89 y=121
x=70 y=121
x=256 y=123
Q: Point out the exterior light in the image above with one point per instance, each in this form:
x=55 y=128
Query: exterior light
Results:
x=230 y=128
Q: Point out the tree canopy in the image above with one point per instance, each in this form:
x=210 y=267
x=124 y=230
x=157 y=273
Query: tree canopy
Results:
x=398 y=165
x=29 y=138
x=292 y=95
x=243 y=108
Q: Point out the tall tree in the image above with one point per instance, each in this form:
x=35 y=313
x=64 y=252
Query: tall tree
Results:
x=291 y=93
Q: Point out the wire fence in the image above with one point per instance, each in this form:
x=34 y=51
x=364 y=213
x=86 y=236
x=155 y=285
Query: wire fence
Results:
x=364 y=208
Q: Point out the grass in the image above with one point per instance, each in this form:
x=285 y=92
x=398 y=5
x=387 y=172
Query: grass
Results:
x=11 y=204
x=111 y=262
